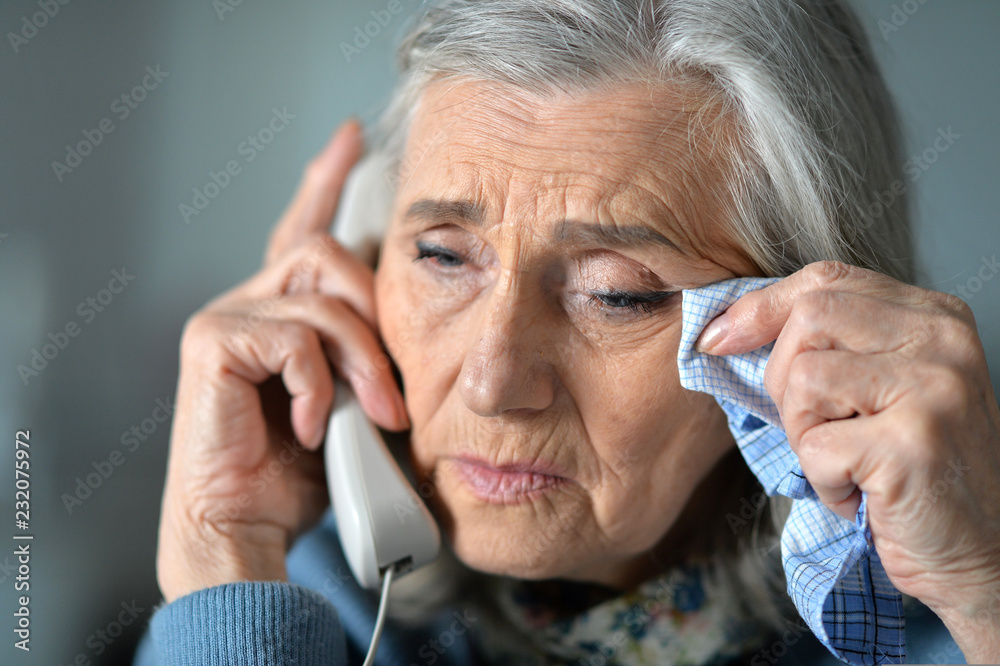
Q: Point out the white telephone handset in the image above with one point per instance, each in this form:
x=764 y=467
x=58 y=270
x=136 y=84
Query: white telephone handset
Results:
x=381 y=519
x=385 y=528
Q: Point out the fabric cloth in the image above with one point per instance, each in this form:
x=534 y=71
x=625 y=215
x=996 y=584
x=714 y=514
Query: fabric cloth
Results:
x=321 y=617
x=677 y=618
x=280 y=623
x=834 y=574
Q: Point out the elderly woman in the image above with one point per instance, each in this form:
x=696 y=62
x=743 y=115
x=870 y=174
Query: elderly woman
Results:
x=561 y=172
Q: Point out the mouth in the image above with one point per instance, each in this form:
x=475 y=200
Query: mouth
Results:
x=512 y=483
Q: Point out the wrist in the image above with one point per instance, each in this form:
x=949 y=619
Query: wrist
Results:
x=195 y=556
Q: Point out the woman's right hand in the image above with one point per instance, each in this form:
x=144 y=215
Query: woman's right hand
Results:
x=244 y=476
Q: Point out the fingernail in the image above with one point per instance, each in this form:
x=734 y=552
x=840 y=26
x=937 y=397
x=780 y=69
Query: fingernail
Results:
x=714 y=333
x=319 y=434
x=340 y=139
x=401 y=416
x=349 y=133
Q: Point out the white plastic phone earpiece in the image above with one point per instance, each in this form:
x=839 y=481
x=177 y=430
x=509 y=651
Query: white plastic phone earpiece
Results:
x=382 y=521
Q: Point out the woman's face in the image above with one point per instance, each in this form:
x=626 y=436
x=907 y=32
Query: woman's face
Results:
x=529 y=292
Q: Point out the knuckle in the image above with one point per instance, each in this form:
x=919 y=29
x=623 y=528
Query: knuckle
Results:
x=325 y=244
x=957 y=333
x=947 y=387
x=915 y=432
x=314 y=172
x=816 y=440
x=804 y=379
x=826 y=273
x=323 y=310
x=319 y=247
x=952 y=303
x=200 y=336
x=323 y=387
x=293 y=337
x=303 y=269
x=812 y=309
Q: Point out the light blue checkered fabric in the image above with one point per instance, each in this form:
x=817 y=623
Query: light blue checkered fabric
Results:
x=834 y=575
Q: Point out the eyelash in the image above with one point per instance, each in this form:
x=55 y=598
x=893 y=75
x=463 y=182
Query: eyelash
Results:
x=637 y=303
x=445 y=257
x=643 y=303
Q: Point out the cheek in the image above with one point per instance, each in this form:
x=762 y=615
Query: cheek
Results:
x=651 y=437
x=421 y=331
x=627 y=390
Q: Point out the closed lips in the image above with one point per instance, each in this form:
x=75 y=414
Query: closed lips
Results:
x=508 y=484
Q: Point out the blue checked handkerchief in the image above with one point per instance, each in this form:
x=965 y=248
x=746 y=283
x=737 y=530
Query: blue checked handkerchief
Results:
x=834 y=575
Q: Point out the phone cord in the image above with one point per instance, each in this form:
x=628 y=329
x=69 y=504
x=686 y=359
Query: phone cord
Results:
x=383 y=607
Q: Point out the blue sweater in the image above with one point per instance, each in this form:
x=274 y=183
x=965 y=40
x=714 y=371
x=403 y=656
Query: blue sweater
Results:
x=322 y=618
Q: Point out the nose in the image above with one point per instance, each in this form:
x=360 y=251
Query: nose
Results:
x=509 y=368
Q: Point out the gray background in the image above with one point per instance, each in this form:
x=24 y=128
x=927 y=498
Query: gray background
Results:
x=59 y=241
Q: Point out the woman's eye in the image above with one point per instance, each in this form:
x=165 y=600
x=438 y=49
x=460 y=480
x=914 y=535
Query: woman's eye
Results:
x=438 y=254
x=636 y=302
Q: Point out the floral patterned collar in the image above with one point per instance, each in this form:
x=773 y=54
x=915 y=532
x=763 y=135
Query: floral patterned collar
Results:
x=678 y=618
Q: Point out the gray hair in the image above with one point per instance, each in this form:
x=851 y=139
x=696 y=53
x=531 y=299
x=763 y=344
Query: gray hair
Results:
x=817 y=132
x=815 y=140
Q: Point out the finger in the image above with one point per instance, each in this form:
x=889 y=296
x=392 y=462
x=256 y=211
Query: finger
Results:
x=315 y=202
x=294 y=352
x=828 y=454
x=349 y=343
x=319 y=266
x=825 y=320
x=355 y=351
x=758 y=316
x=824 y=386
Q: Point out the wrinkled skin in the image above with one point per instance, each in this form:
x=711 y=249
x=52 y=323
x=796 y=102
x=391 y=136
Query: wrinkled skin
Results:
x=527 y=332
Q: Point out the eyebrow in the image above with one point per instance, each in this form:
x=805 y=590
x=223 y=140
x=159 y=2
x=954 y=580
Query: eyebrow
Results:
x=632 y=235
x=470 y=212
x=446 y=210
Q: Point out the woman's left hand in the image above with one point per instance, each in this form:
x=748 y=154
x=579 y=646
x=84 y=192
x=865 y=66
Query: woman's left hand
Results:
x=883 y=387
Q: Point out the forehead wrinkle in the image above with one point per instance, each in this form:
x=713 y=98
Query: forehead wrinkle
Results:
x=658 y=188
x=579 y=196
x=527 y=116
